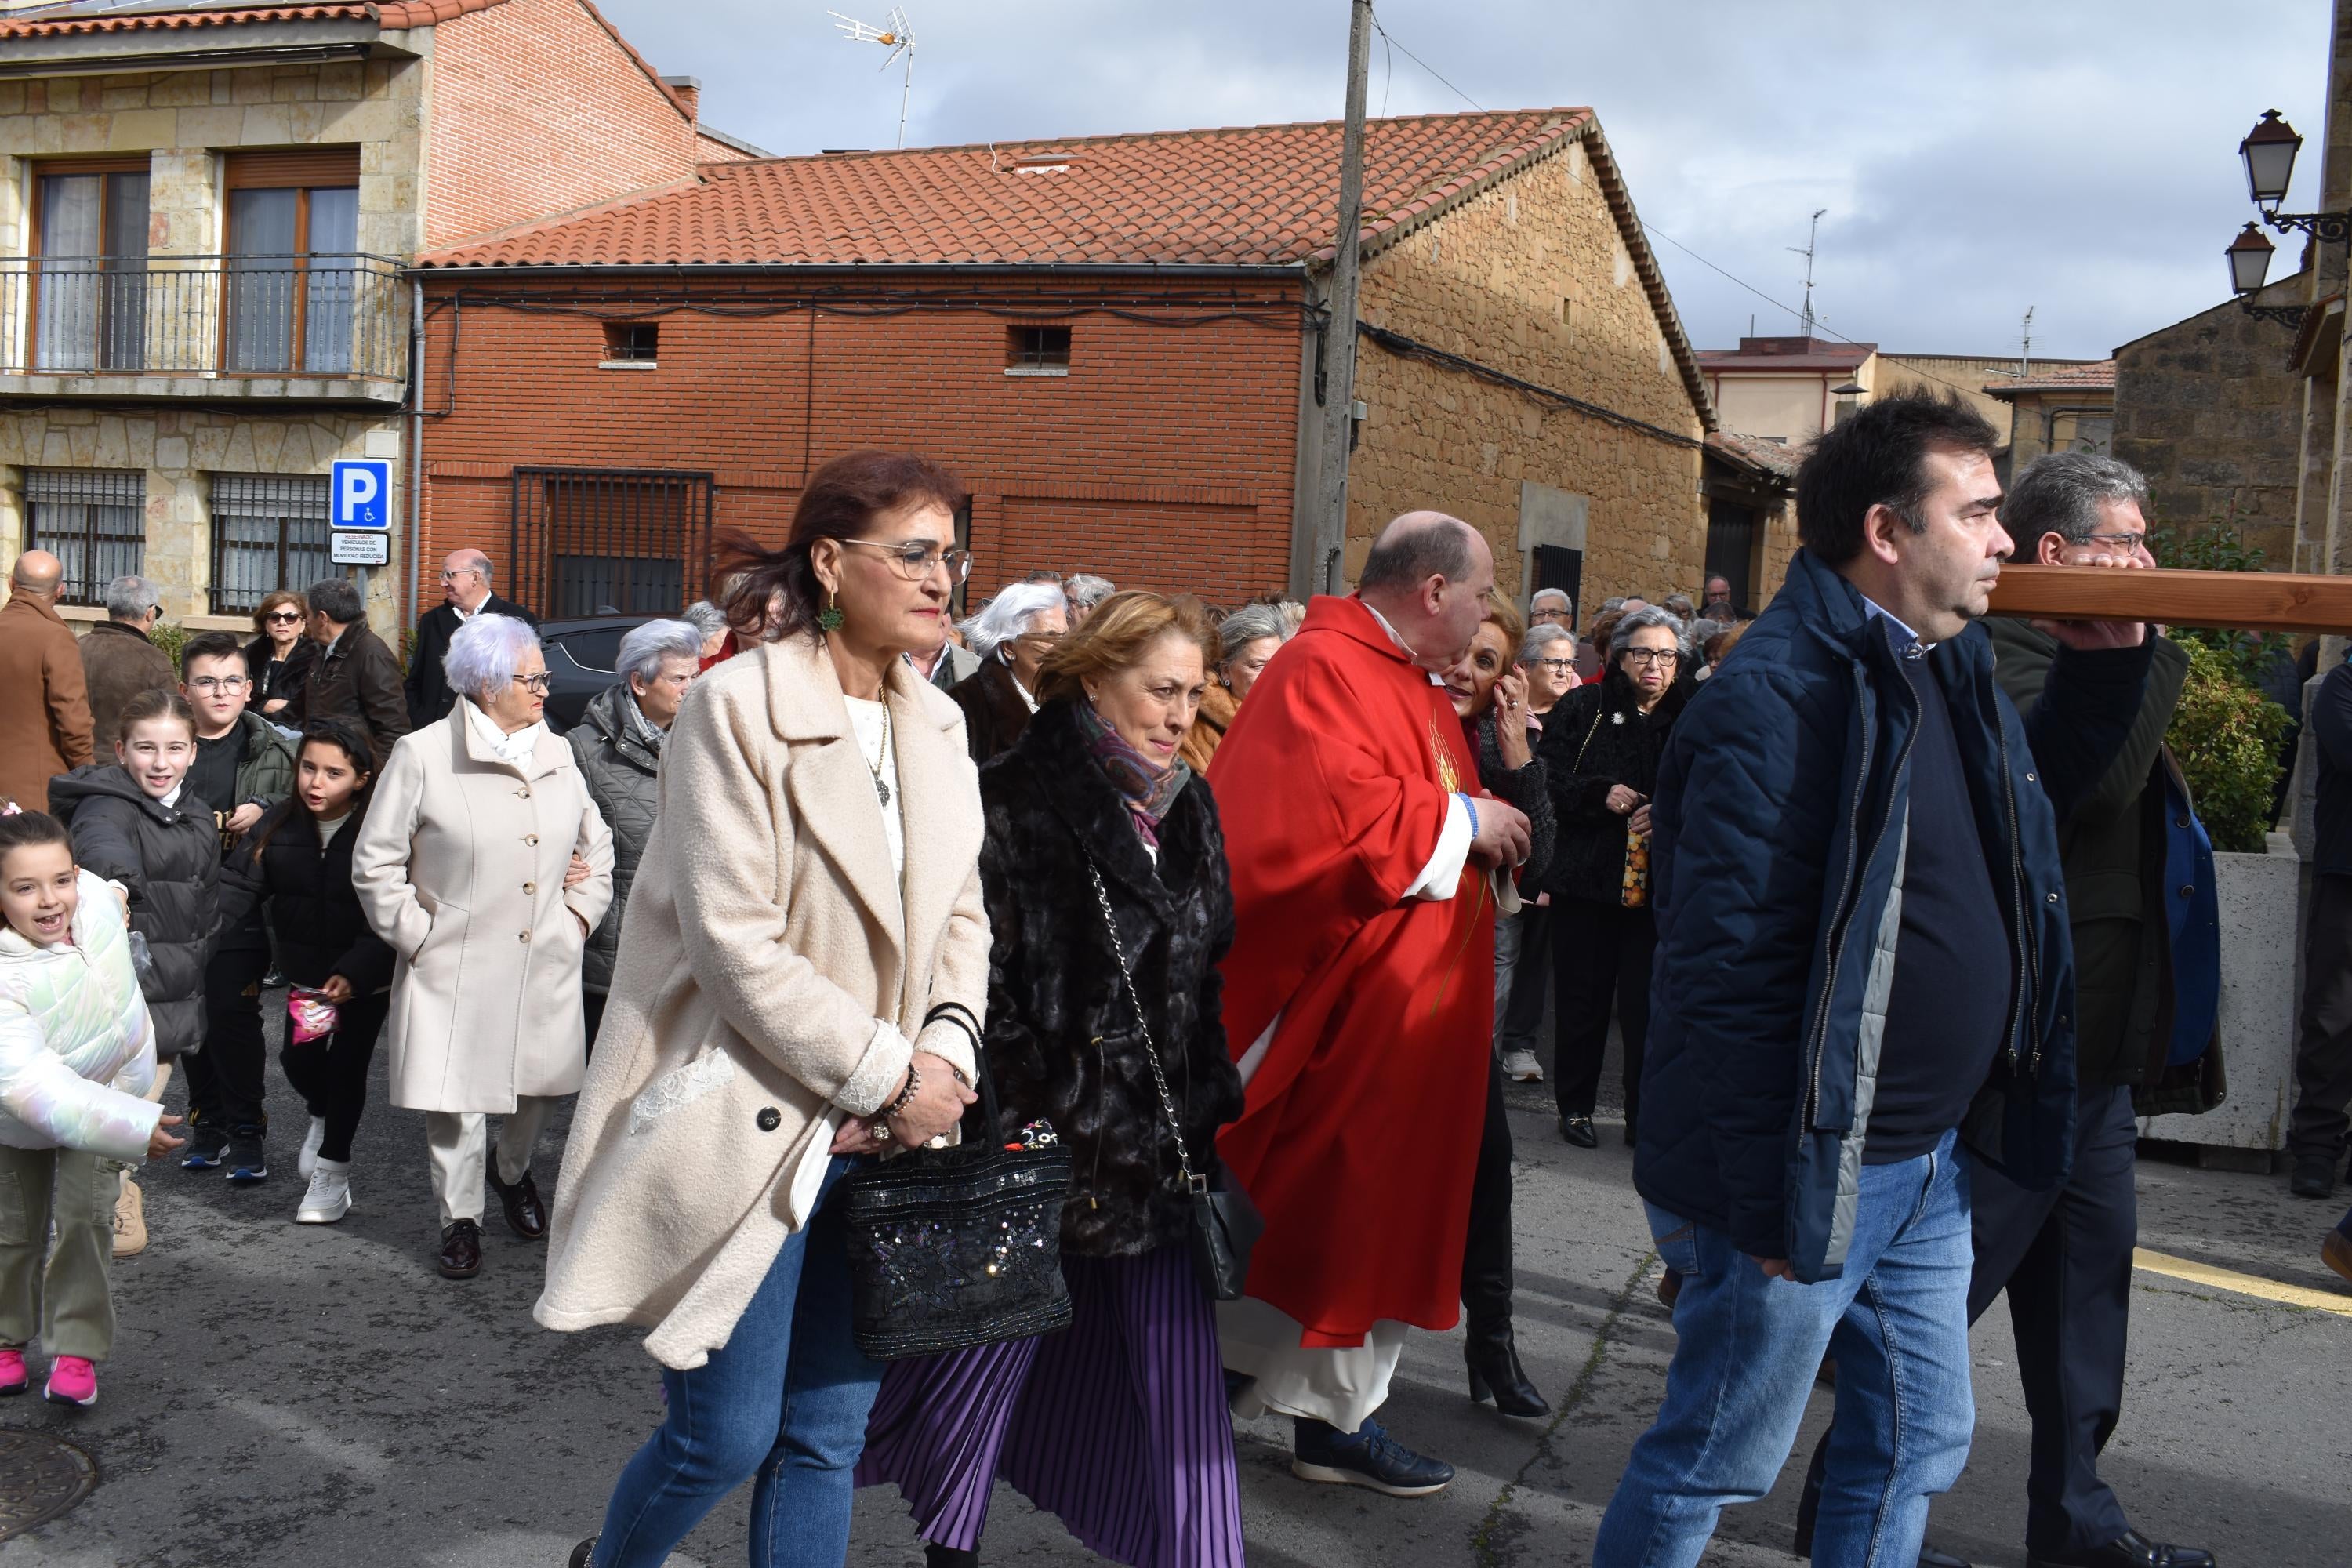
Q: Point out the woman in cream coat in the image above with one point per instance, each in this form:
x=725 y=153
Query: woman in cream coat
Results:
x=799 y=985
x=485 y=865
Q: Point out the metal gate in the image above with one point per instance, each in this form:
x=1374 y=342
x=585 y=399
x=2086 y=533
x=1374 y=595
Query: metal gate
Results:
x=591 y=542
x=1561 y=568
x=1731 y=549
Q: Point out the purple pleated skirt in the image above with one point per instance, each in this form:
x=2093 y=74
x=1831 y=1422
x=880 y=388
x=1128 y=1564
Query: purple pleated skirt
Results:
x=1117 y=1425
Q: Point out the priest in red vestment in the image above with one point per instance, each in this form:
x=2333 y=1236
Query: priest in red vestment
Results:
x=1359 y=994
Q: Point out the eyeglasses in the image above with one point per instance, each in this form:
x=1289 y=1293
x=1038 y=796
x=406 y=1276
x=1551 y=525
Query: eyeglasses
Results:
x=220 y=683
x=917 y=558
x=460 y=572
x=288 y=617
x=536 y=685
x=1652 y=656
x=2131 y=541
x=1557 y=666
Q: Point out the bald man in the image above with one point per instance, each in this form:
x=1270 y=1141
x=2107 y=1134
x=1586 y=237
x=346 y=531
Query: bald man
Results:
x=1358 y=995
x=44 y=700
x=465 y=594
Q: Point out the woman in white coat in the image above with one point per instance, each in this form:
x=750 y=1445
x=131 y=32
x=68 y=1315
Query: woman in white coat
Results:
x=800 y=984
x=485 y=865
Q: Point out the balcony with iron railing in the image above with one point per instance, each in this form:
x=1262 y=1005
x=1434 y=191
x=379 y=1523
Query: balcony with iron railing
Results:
x=315 y=327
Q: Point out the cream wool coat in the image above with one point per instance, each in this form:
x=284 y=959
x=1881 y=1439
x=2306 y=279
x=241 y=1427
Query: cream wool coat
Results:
x=459 y=865
x=769 y=969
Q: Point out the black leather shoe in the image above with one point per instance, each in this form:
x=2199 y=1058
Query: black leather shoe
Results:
x=461 y=1249
x=937 y=1556
x=1493 y=1358
x=526 y=1215
x=1578 y=1130
x=1931 y=1558
x=2129 y=1550
x=583 y=1553
x=2315 y=1176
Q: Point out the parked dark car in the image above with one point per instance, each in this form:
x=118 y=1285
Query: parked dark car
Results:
x=580 y=657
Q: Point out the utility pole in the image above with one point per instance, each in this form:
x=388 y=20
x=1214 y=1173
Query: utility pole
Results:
x=1812 y=235
x=2025 y=345
x=1338 y=376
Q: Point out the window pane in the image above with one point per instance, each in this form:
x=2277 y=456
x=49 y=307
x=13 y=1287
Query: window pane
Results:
x=122 y=304
x=67 y=322
x=331 y=286
x=262 y=289
x=126 y=215
x=92 y=519
x=335 y=221
x=270 y=532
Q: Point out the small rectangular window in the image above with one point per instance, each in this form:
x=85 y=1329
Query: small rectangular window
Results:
x=1036 y=351
x=93 y=519
x=632 y=342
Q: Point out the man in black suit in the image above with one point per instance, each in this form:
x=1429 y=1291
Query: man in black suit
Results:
x=465 y=593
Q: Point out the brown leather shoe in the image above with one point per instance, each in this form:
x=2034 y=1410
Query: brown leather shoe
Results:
x=461 y=1249
x=526 y=1215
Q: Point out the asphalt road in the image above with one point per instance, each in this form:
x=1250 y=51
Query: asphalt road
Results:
x=304 y=1395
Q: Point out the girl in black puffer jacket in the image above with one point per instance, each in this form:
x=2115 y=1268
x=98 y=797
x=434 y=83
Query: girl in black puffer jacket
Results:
x=298 y=860
x=128 y=827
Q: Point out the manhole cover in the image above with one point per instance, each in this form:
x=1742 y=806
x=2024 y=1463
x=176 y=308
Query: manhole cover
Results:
x=40 y=1477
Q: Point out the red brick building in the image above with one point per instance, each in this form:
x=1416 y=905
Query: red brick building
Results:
x=1114 y=340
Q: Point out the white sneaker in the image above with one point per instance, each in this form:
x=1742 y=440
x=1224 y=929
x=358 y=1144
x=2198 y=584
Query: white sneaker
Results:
x=329 y=1197
x=307 y=1160
x=1522 y=1067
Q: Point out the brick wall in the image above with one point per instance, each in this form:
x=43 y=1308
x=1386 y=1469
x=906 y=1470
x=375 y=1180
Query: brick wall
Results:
x=1488 y=281
x=1164 y=460
x=538 y=109
x=2209 y=410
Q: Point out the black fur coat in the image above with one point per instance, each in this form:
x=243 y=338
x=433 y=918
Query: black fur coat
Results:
x=1062 y=1036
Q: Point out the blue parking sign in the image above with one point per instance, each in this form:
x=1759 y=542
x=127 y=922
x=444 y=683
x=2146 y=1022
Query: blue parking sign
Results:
x=360 y=492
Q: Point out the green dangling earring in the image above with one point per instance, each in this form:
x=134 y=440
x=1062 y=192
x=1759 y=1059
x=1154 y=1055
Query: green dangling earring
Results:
x=829 y=618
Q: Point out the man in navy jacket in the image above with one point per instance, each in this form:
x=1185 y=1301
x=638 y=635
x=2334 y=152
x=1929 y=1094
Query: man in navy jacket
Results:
x=1864 y=984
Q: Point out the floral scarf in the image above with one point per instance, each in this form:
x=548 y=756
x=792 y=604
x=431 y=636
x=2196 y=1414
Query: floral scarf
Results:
x=1148 y=789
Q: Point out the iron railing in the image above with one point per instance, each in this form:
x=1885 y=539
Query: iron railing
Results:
x=324 y=316
x=588 y=541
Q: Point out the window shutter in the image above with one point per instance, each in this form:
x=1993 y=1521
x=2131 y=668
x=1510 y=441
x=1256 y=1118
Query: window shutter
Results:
x=307 y=166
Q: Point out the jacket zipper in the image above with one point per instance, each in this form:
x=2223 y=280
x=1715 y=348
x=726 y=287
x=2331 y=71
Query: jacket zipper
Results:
x=2028 y=983
x=1837 y=941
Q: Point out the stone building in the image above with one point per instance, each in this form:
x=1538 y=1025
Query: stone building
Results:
x=2056 y=408
x=2210 y=409
x=204 y=216
x=1115 y=341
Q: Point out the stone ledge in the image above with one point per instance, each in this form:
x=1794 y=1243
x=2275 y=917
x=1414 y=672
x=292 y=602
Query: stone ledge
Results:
x=366 y=389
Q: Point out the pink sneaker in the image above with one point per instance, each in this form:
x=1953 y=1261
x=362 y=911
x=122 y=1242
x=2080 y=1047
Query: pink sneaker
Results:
x=13 y=1378
x=72 y=1380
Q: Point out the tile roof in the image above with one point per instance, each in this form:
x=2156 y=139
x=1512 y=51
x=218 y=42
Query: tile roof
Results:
x=387 y=13
x=1777 y=458
x=1255 y=197
x=1822 y=356
x=2093 y=375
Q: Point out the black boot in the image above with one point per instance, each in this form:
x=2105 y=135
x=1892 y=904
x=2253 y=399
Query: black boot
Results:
x=1493 y=1356
x=937 y=1556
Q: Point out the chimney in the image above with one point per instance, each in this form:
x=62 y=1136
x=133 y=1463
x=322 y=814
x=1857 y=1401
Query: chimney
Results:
x=689 y=92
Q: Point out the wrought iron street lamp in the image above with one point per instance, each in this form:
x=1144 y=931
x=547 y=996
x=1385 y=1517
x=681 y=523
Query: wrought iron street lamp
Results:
x=2268 y=152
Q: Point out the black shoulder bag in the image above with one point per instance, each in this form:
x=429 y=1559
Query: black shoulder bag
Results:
x=1225 y=1223
x=955 y=1248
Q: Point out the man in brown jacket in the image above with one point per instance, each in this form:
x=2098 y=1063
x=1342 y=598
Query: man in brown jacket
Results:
x=118 y=661
x=44 y=704
x=355 y=676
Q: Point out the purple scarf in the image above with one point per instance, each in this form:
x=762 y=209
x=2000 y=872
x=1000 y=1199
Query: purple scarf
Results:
x=1147 y=788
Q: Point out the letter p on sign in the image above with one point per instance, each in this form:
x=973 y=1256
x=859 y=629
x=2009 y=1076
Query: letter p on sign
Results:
x=357 y=492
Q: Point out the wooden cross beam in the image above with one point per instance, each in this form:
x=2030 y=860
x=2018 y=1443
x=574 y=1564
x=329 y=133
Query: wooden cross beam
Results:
x=2234 y=601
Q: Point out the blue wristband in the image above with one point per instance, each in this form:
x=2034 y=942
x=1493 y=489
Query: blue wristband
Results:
x=1471 y=807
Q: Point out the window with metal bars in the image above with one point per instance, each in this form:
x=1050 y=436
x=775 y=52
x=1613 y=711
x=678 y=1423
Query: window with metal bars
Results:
x=592 y=541
x=1038 y=351
x=92 y=519
x=270 y=532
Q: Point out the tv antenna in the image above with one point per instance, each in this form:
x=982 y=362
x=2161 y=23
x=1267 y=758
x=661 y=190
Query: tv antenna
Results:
x=894 y=35
x=1810 y=235
x=2025 y=345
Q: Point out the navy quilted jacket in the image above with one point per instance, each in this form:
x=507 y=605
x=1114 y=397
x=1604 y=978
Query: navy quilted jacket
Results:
x=1781 y=818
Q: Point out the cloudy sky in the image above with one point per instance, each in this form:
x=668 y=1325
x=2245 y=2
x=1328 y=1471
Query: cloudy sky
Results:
x=2075 y=156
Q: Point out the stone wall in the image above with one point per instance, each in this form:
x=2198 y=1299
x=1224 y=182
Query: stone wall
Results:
x=2210 y=411
x=1533 y=279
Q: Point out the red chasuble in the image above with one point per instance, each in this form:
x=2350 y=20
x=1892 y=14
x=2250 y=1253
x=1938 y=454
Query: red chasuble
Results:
x=1362 y=1125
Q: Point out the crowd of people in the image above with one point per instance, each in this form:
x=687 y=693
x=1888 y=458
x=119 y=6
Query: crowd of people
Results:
x=1899 y=920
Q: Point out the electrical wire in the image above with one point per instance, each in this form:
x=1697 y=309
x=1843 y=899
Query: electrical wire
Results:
x=1424 y=65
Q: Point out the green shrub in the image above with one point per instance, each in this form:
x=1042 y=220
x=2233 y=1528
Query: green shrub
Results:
x=169 y=635
x=2226 y=736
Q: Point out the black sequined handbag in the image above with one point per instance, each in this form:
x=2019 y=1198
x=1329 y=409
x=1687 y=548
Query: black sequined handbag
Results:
x=959 y=1247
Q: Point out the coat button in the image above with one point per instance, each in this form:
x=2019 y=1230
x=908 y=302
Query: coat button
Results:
x=531 y=886
x=531 y=838
x=2029 y=778
x=522 y=936
x=2180 y=822
x=2187 y=892
x=2051 y=900
x=769 y=1118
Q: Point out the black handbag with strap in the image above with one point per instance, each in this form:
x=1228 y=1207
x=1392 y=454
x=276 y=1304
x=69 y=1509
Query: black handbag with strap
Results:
x=1225 y=1223
x=955 y=1248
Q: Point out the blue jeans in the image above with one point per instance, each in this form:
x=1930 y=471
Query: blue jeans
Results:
x=1750 y=1346
x=784 y=1400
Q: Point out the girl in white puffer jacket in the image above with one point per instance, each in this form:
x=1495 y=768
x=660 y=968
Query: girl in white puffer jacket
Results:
x=76 y=1059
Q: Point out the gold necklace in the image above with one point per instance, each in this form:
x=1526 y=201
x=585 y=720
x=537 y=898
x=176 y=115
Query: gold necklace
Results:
x=882 y=754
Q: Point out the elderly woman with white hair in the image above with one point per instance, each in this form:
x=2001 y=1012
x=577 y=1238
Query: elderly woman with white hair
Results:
x=485 y=864
x=1012 y=636
x=1245 y=640
x=617 y=744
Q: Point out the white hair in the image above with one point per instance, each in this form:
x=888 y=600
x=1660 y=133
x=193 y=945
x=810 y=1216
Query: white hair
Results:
x=485 y=653
x=705 y=617
x=1008 y=616
x=131 y=596
x=1085 y=592
x=1532 y=646
x=643 y=650
x=1545 y=596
